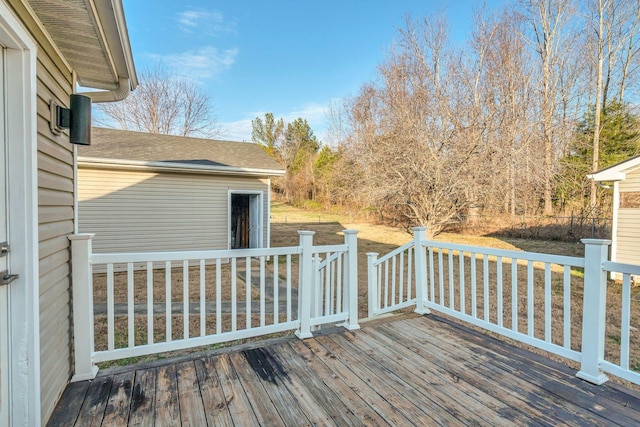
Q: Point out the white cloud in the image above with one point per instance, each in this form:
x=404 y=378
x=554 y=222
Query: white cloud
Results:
x=199 y=64
x=204 y=22
x=239 y=130
x=314 y=113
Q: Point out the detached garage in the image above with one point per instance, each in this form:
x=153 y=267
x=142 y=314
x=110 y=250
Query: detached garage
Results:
x=142 y=192
x=625 y=233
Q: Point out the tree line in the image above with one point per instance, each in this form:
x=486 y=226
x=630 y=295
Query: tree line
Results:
x=542 y=93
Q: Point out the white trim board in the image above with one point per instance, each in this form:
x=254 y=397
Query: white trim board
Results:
x=23 y=219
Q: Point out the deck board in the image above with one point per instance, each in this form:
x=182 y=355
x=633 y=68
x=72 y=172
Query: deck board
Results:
x=213 y=398
x=263 y=407
x=117 y=411
x=408 y=370
x=167 y=406
x=143 y=398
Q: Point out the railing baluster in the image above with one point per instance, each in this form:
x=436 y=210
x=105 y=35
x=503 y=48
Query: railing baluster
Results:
x=432 y=281
x=219 y=297
x=247 y=296
x=262 y=292
x=149 y=302
x=474 y=286
x=401 y=279
x=289 y=288
x=110 y=310
x=530 y=298
x=409 y=272
x=514 y=294
x=340 y=260
x=185 y=299
x=625 y=321
x=327 y=285
x=276 y=292
x=167 y=303
x=440 y=277
x=566 y=296
x=547 y=302
x=485 y=280
x=499 y=289
x=130 y=313
x=379 y=288
x=386 y=283
x=234 y=296
x=463 y=309
x=393 y=281
x=203 y=302
x=452 y=299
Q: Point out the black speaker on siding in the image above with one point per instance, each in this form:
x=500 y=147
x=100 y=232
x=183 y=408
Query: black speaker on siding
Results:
x=80 y=120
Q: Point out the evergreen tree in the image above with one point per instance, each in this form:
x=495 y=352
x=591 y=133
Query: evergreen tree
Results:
x=619 y=140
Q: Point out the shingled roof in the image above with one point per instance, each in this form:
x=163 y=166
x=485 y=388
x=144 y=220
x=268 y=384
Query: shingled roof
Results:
x=122 y=146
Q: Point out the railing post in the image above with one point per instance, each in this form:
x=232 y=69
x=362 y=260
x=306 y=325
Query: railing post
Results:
x=421 y=268
x=351 y=240
x=305 y=284
x=82 y=290
x=372 y=283
x=594 y=310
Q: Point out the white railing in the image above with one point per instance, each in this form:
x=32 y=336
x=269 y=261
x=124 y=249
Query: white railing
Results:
x=539 y=299
x=391 y=280
x=147 y=303
x=618 y=362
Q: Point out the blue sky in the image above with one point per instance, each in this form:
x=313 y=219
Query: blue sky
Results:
x=292 y=58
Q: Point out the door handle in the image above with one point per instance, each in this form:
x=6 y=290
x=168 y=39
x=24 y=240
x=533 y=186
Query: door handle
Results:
x=7 y=278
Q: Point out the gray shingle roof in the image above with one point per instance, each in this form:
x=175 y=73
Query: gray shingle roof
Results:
x=147 y=147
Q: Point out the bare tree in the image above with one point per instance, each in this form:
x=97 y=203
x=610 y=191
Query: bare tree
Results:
x=164 y=104
x=550 y=38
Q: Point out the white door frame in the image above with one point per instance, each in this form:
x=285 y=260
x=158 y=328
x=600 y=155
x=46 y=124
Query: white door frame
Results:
x=260 y=214
x=21 y=136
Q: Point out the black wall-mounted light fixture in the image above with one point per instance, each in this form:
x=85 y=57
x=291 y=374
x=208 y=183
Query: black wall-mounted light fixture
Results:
x=76 y=118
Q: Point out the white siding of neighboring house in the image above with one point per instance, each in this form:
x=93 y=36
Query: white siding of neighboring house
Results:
x=136 y=211
x=628 y=235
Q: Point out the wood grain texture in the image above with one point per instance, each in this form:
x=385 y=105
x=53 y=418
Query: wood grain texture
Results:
x=402 y=372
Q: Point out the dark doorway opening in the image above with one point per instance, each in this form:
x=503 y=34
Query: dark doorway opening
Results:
x=245 y=224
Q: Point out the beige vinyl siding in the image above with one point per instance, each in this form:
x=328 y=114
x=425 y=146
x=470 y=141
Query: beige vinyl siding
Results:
x=628 y=235
x=55 y=214
x=136 y=211
x=631 y=182
x=628 y=243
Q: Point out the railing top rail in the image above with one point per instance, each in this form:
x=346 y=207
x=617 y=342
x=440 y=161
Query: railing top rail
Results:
x=506 y=253
x=109 y=258
x=618 y=267
x=329 y=248
x=393 y=253
x=334 y=256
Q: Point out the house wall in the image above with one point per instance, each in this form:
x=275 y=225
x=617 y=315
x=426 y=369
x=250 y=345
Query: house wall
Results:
x=141 y=211
x=55 y=217
x=628 y=234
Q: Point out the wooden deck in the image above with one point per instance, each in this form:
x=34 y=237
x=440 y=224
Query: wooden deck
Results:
x=409 y=371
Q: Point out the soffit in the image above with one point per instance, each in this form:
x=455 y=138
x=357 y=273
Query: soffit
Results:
x=91 y=38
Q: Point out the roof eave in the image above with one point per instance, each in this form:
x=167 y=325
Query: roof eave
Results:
x=103 y=163
x=607 y=176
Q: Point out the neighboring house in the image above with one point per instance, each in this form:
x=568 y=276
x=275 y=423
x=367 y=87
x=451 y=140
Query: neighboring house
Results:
x=141 y=192
x=48 y=47
x=625 y=230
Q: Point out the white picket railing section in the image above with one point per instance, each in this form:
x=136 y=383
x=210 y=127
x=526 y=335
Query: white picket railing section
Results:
x=619 y=365
x=511 y=293
x=147 y=303
x=393 y=279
